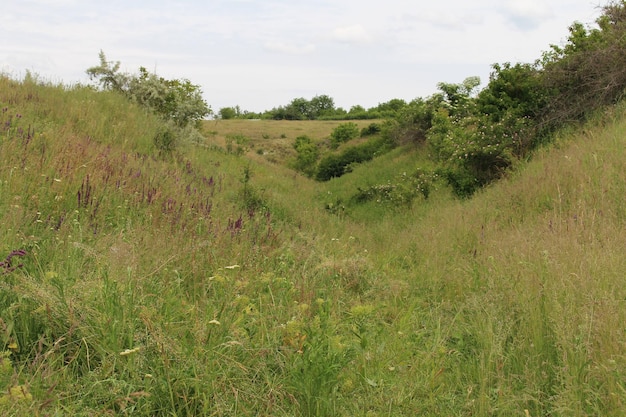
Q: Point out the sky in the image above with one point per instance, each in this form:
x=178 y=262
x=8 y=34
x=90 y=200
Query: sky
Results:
x=261 y=54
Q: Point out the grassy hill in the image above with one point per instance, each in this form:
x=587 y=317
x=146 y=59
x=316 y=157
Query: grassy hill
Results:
x=209 y=282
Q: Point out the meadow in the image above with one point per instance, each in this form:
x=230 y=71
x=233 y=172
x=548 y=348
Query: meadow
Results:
x=216 y=281
x=272 y=140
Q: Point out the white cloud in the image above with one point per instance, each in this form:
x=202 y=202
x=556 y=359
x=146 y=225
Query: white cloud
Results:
x=527 y=14
x=289 y=48
x=351 y=34
x=458 y=20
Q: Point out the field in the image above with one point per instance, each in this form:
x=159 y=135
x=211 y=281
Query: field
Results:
x=218 y=282
x=272 y=139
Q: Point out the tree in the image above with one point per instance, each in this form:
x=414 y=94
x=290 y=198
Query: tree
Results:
x=457 y=96
x=107 y=75
x=227 y=113
x=178 y=100
x=299 y=109
x=588 y=71
x=321 y=106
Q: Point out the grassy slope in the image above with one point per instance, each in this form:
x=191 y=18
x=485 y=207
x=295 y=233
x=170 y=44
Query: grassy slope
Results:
x=508 y=302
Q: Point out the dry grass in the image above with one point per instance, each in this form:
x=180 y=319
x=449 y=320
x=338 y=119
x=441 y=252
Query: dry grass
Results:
x=271 y=140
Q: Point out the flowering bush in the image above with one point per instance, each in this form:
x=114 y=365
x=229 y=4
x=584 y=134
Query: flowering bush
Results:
x=474 y=151
x=402 y=192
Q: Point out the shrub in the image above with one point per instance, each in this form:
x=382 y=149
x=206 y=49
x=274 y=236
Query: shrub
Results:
x=307 y=155
x=178 y=101
x=337 y=165
x=343 y=133
x=401 y=192
x=473 y=151
x=371 y=129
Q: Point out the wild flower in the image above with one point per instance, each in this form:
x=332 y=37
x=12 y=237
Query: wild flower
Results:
x=127 y=352
x=7 y=265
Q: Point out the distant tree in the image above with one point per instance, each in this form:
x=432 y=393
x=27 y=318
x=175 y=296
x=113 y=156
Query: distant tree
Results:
x=358 y=112
x=299 y=109
x=321 y=106
x=227 y=113
x=390 y=108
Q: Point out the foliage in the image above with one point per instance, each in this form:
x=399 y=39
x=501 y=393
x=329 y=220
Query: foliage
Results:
x=307 y=155
x=401 y=192
x=176 y=100
x=473 y=151
x=322 y=107
x=337 y=165
x=318 y=365
x=227 y=113
x=371 y=129
x=587 y=72
x=343 y=133
x=457 y=98
x=414 y=120
x=514 y=102
x=318 y=107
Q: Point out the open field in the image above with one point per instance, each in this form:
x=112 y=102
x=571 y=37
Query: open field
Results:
x=272 y=139
x=210 y=283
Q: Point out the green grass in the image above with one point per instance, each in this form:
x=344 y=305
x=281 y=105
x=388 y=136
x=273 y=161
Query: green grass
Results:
x=211 y=283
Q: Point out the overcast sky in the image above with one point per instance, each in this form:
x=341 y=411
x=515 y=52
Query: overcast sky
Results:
x=260 y=54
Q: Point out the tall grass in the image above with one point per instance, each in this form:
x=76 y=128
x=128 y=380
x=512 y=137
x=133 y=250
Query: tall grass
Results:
x=206 y=283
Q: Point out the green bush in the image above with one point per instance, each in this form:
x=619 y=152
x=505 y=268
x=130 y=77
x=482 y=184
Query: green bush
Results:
x=371 y=129
x=473 y=151
x=401 y=192
x=343 y=133
x=307 y=155
x=337 y=165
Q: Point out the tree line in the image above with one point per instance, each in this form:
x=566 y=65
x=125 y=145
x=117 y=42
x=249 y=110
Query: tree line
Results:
x=320 y=107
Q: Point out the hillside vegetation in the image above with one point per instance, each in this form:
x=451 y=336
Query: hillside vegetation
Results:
x=205 y=283
x=216 y=277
